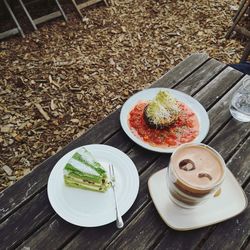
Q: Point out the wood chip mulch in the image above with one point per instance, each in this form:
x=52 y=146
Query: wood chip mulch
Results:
x=59 y=81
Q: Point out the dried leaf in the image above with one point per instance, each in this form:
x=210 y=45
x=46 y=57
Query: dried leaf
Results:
x=41 y=110
x=86 y=70
x=7 y=170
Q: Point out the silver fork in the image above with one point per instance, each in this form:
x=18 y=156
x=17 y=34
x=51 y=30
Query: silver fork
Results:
x=119 y=221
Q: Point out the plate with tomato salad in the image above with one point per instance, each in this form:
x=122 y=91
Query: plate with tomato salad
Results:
x=192 y=124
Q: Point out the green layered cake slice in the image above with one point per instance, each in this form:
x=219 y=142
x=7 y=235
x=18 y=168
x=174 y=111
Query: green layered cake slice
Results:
x=83 y=171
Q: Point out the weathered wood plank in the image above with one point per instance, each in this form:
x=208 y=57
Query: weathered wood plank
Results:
x=235 y=231
x=42 y=239
x=46 y=170
x=201 y=77
x=222 y=106
x=59 y=231
x=47 y=17
x=239 y=165
x=182 y=70
x=140 y=156
x=29 y=185
x=105 y=236
x=219 y=86
x=62 y=236
x=176 y=240
x=88 y=3
x=78 y=241
x=8 y=33
x=32 y=183
x=145 y=235
x=182 y=240
x=171 y=238
x=220 y=111
x=230 y=137
x=135 y=153
x=235 y=135
x=28 y=217
x=120 y=140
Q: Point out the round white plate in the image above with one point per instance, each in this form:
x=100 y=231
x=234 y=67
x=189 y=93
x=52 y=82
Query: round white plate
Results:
x=149 y=94
x=88 y=208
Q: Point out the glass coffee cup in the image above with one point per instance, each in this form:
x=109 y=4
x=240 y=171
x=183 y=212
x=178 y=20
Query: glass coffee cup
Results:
x=195 y=174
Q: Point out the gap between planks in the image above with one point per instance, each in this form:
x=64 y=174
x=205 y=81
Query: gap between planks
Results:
x=199 y=59
x=210 y=229
x=142 y=171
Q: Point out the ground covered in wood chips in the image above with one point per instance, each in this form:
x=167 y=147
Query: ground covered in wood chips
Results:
x=61 y=80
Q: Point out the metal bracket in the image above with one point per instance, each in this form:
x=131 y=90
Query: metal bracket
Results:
x=46 y=17
x=80 y=6
x=27 y=14
x=13 y=31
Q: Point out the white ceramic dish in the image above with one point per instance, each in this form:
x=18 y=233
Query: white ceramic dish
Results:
x=231 y=202
x=149 y=94
x=91 y=209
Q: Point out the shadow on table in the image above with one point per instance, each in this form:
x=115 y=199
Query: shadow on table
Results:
x=243 y=67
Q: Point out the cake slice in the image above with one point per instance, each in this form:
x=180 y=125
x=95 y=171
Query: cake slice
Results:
x=83 y=171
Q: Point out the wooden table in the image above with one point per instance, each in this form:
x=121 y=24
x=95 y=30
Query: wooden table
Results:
x=29 y=222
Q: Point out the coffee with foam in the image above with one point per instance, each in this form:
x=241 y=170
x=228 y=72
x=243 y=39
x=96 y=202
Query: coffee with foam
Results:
x=195 y=171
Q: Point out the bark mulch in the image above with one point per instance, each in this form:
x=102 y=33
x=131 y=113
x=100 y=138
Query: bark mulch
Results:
x=61 y=80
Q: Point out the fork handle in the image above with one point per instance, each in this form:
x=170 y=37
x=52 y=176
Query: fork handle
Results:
x=119 y=221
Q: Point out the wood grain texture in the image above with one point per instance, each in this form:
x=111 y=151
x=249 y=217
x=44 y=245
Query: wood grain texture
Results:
x=230 y=137
x=181 y=71
x=235 y=232
x=219 y=86
x=235 y=135
x=96 y=135
x=142 y=232
x=29 y=185
x=140 y=156
x=201 y=77
x=32 y=183
x=220 y=112
x=54 y=230
x=105 y=236
x=239 y=165
x=175 y=240
x=23 y=222
x=193 y=241
x=213 y=86
x=126 y=233
x=52 y=235
x=135 y=153
x=238 y=228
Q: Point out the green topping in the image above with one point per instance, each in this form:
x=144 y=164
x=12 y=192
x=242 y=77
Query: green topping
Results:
x=88 y=159
x=162 y=110
x=85 y=172
x=77 y=173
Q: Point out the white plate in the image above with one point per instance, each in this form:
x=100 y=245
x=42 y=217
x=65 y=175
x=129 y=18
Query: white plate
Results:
x=149 y=94
x=88 y=208
x=228 y=204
